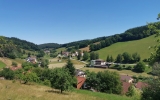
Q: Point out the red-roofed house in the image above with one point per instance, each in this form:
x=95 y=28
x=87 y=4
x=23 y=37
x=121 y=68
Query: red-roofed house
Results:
x=125 y=86
x=15 y=68
x=80 y=82
x=126 y=78
x=141 y=85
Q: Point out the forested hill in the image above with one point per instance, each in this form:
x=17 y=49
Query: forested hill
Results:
x=105 y=41
x=49 y=45
x=23 y=44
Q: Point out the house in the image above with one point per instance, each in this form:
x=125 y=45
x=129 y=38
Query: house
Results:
x=80 y=82
x=125 y=87
x=97 y=62
x=31 y=59
x=140 y=85
x=65 y=54
x=79 y=73
x=126 y=78
x=15 y=68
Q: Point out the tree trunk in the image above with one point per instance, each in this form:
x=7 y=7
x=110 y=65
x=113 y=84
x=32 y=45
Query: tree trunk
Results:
x=61 y=90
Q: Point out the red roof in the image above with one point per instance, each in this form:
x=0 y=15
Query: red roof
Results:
x=15 y=68
x=125 y=87
x=125 y=77
x=140 y=85
x=80 y=81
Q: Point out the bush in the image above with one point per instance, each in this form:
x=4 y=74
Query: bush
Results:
x=129 y=68
x=140 y=67
x=14 y=64
x=120 y=68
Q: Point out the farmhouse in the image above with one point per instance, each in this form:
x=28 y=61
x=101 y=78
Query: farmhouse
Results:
x=98 y=63
x=140 y=85
x=80 y=82
x=126 y=78
x=32 y=59
x=80 y=73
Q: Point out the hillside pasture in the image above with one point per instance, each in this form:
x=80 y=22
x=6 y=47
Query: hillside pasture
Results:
x=140 y=46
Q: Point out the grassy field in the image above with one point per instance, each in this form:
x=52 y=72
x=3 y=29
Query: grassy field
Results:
x=122 y=72
x=8 y=61
x=54 y=63
x=60 y=49
x=139 y=46
x=17 y=91
x=2 y=65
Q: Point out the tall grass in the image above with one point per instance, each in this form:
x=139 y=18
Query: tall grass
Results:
x=17 y=91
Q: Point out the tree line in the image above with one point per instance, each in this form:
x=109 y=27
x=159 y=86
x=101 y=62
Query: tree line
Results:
x=130 y=34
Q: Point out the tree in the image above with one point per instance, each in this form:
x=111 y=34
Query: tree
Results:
x=127 y=57
x=92 y=56
x=69 y=66
x=29 y=77
x=79 y=55
x=61 y=79
x=140 y=67
x=119 y=58
x=97 y=55
x=108 y=59
x=131 y=91
x=136 y=57
x=152 y=91
x=111 y=59
x=85 y=56
x=109 y=82
x=44 y=63
x=92 y=81
x=7 y=73
x=14 y=64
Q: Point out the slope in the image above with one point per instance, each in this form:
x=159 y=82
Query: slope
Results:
x=17 y=91
x=140 y=46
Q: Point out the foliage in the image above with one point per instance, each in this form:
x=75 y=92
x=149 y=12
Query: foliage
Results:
x=94 y=55
x=14 y=64
x=7 y=73
x=140 y=67
x=127 y=57
x=29 y=77
x=131 y=91
x=61 y=79
x=44 y=63
x=79 y=55
x=136 y=57
x=119 y=58
x=106 y=81
x=49 y=45
x=69 y=66
x=85 y=56
x=23 y=44
x=152 y=91
x=92 y=80
x=109 y=82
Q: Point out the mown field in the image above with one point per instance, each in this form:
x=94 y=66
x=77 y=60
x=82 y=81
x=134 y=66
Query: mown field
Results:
x=53 y=63
x=2 y=65
x=140 y=46
x=17 y=91
x=122 y=72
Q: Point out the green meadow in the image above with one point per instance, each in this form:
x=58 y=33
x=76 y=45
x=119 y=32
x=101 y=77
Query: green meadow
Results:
x=140 y=46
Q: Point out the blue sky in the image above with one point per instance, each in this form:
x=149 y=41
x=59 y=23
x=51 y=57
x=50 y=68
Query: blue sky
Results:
x=63 y=21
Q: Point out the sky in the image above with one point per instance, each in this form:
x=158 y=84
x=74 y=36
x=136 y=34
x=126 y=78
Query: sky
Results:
x=63 y=21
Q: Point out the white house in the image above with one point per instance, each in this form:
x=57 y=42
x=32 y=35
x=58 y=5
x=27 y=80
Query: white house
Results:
x=98 y=62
